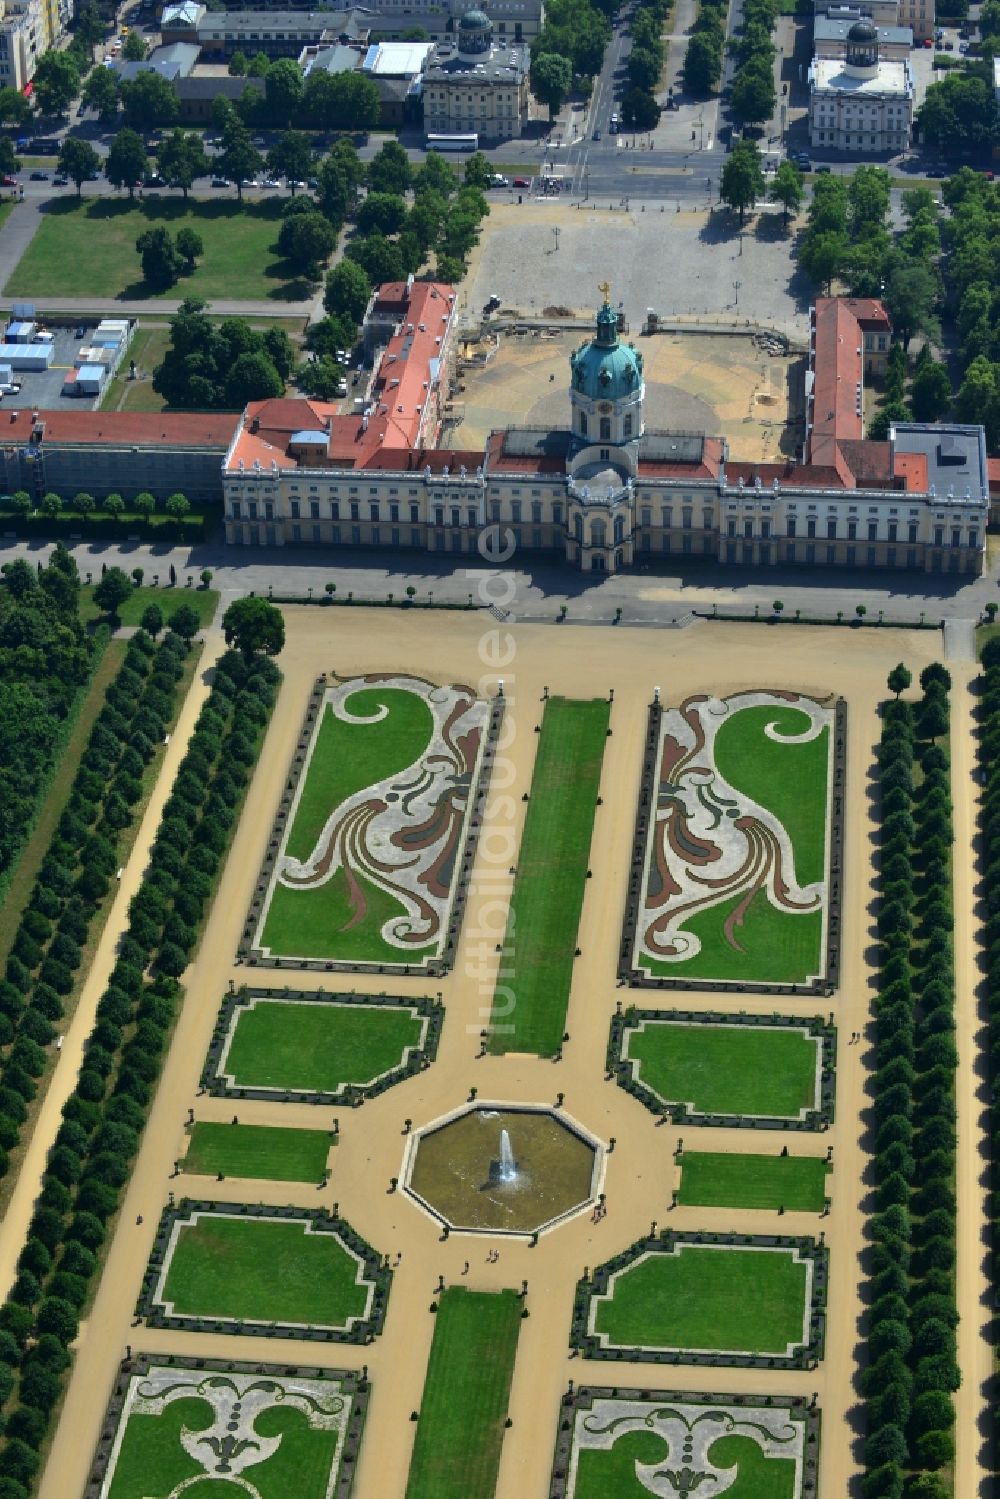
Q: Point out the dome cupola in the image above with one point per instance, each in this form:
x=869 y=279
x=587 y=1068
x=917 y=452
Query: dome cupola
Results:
x=606 y=389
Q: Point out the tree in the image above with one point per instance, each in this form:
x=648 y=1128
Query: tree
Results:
x=254 y=627
x=252 y=378
x=910 y=293
x=113 y=504
x=899 y=679
x=161 y=260
x=930 y=393
x=381 y=257
x=14 y=107
x=786 y=188
x=742 y=178
x=479 y=170
x=149 y=99
x=283 y=91
x=127 y=161
x=239 y=159
x=185 y=622
x=189 y=245
x=753 y=97
x=640 y=110
x=151 y=620
x=78 y=160
x=702 y=63
x=112 y=591
x=958 y=113
x=100 y=93
x=134 y=49
x=348 y=289
x=181 y=159
x=385 y=212
x=177 y=506
x=56 y=82
x=822 y=255
x=307 y=240
x=238 y=65
x=868 y=201
x=644 y=66
x=291 y=157
x=389 y=170
x=551 y=80
x=320 y=378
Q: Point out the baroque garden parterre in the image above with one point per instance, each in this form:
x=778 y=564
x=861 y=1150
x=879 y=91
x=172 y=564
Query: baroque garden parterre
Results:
x=718 y=1216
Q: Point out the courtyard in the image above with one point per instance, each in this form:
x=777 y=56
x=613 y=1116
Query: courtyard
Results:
x=455 y=1292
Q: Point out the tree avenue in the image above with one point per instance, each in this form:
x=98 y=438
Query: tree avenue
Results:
x=742 y=178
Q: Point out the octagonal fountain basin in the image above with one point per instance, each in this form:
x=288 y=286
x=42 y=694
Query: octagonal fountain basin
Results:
x=503 y=1168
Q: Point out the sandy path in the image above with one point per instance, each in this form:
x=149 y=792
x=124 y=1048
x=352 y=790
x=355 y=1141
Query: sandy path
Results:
x=641 y=1171
x=18 y=1215
x=974 y=1416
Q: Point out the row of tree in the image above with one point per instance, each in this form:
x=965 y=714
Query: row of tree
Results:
x=574 y=30
x=177 y=506
x=989 y=762
x=640 y=110
x=913 y=1369
x=46 y=659
x=90 y=1162
x=705 y=48
x=753 y=98
x=929 y=398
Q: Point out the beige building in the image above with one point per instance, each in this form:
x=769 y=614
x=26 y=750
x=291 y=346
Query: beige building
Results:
x=477 y=85
x=895 y=43
x=27 y=29
x=862 y=103
x=919 y=16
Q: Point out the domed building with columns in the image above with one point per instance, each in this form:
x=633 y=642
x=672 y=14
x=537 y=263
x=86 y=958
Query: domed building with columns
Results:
x=604 y=492
x=861 y=103
x=476 y=84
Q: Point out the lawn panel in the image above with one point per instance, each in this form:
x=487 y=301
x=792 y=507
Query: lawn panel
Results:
x=456 y=1454
x=777 y=948
x=258 y=1271
x=743 y=1300
x=797 y=1183
x=728 y=1069
x=551 y=878
x=316 y=1047
x=601 y=1475
x=257 y=1151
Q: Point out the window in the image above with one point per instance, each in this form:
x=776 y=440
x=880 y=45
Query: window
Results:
x=911 y=531
x=939 y=536
x=557 y=514
x=792 y=525
x=536 y=511
x=355 y=510
x=494 y=510
x=394 y=511
x=893 y=528
x=373 y=512
x=252 y=509
x=973 y=537
x=686 y=518
x=456 y=516
x=605 y=428
x=811 y=529
x=296 y=533
x=873 y=530
x=293 y=509
x=414 y=512
x=376 y=536
x=707 y=520
x=852 y=530
x=831 y=530
x=956 y=537
x=627 y=426
x=414 y=537
x=317 y=538
x=583 y=424
x=765 y=529
x=748 y=529
x=236 y=510
x=515 y=510
x=439 y=515
x=645 y=516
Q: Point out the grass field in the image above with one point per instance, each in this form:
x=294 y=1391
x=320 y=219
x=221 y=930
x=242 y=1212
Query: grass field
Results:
x=253 y=1150
x=456 y=1453
x=728 y=1069
x=790 y=780
x=316 y=1047
x=249 y=1269
x=347 y=757
x=713 y=1180
x=152 y=1462
x=204 y=602
x=529 y=1005
x=611 y=1474
x=149 y=344
x=777 y=948
x=738 y=1300
x=240 y=259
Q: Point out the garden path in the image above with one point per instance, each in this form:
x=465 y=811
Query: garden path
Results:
x=641 y=1171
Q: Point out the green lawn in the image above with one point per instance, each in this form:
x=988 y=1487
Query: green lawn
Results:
x=713 y=1180
x=240 y=258
x=790 y=780
x=149 y=344
x=152 y=1463
x=204 y=602
x=529 y=1005
x=611 y=1474
x=319 y=923
x=729 y=1069
x=456 y=1453
x=248 y=1269
x=778 y=948
x=317 y=1047
x=252 y=1150
x=740 y=1300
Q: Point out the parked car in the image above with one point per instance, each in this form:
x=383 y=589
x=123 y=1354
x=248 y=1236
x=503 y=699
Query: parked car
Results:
x=596 y=136
x=928 y=41
x=497 y=180
x=963 y=47
x=23 y=142
x=522 y=181
x=39 y=177
x=220 y=181
x=80 y=331
x=60 y=181
x=9 y=181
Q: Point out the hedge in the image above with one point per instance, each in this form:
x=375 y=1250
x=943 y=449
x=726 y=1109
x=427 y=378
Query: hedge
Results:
x=913 y=1313
x=104 y=1117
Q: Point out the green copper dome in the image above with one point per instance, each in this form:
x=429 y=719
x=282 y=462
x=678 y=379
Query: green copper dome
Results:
x=604 y=369
x=473 y=20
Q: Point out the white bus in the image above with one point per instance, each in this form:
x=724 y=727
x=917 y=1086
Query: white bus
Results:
x=453 y=142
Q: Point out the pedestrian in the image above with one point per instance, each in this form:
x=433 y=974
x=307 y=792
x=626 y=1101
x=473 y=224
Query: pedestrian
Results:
x=138 y=1220
x=465 y=1268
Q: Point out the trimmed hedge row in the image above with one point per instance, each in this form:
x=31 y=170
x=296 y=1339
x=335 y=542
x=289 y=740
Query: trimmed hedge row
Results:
x=913 y=1315
x=91 y=1160
x=989 y=761
x=76 y=873
x=66 y=527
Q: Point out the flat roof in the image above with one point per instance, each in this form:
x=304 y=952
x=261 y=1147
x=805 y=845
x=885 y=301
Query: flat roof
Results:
x=835 y=29
x=957 y=466
x=831 y=73
x=396 y=59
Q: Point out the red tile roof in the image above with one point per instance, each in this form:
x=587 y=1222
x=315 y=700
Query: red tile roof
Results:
x=804 y=475
x=837 y=364
x=870 y=312
x=134 y=429
x=993 y=472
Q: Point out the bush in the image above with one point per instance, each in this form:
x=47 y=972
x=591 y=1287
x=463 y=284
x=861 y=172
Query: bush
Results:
x=20 y=1461
x=39 y=1387
x=886 y=1445
x=935 y=1448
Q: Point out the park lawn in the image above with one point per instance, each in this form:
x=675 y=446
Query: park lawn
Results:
x=319 y=923
x=529 y=1005
x=727 y=1299
x=717 y=1180
x=612 y=1472
x=149 y=344
x=790 y=780
x=204 y=602
x=257 y=1151
x=318 y=1047
x=776 y=947
x=456 y=1453
x=718 y=1069
x=152 y=1462
x=240 y=259
x=252 y=1270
